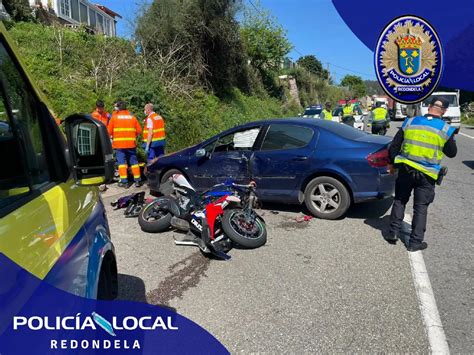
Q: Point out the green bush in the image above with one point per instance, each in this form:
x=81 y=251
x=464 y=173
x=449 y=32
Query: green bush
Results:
x=70 y=85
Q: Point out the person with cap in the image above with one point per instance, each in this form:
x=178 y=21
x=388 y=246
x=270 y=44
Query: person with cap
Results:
x=347 y=113
x=379 y=118
x=326 y=113
x=154 y=136
x=417 y=150
x=100 y=114
x=124 y=130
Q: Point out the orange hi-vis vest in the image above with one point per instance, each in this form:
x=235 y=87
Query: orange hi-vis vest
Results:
x=101 y=117
x=124 y=130
x=159 y=135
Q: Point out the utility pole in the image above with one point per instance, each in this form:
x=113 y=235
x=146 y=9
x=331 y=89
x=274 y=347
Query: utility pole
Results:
x=329 y=73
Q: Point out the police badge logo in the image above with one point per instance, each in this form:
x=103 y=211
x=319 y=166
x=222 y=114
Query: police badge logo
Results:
x=408 y=59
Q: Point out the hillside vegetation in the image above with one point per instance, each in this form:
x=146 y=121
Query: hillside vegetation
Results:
x=203 y=75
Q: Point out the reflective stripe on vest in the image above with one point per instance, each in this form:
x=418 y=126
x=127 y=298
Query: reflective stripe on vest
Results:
x=379 y=114
x=423 y=144
x=158 y=128
x=124 y=130
x=327 y=114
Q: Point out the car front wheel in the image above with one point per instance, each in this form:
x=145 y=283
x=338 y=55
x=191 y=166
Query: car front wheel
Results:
x=326 y=197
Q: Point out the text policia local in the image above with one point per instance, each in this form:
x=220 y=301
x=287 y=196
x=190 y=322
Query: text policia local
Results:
x=80 y=323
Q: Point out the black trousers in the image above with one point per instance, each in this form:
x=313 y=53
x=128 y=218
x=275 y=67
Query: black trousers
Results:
x=378 y=126
x=424 y=192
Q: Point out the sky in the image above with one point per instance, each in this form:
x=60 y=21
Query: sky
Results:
x=313 y=27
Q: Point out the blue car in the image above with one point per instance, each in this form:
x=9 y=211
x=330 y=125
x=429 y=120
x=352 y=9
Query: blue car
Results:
x=323 y=164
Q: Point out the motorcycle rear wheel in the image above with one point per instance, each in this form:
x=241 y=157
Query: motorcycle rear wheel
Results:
x=153 y=218
x=248 y=235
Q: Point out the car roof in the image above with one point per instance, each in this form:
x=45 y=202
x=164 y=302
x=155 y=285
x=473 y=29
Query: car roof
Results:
x=296 y=120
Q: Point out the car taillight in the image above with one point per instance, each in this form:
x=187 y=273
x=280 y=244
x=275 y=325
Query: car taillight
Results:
x=379 y=159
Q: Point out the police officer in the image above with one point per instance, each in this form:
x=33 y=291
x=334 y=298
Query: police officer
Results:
x=326 y=113
x=348 y=113
x=417 y=150
x=379 y=117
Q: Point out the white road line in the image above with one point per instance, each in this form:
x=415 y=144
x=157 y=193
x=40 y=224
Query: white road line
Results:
x=427 y=302
x=466 y=135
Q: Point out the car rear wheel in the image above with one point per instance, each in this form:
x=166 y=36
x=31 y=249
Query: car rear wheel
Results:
x=326 y=197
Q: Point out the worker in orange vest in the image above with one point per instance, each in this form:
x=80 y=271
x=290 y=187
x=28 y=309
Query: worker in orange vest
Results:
x=154 y=137
x=124 y=130
x=100 y=114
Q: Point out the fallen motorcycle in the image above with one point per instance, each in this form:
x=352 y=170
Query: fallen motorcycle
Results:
x=214 y=220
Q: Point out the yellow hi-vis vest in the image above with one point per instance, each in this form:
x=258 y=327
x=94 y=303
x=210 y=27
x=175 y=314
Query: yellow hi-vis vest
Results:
x=423 y=143
x=347 y=110
x=327 y=115
x=379 y=114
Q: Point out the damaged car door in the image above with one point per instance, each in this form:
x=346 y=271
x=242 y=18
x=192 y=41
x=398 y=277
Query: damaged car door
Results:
x=227 y=157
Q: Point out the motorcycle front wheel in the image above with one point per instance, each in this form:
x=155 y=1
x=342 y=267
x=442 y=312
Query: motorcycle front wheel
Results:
x=155 y=217
x=246 y=232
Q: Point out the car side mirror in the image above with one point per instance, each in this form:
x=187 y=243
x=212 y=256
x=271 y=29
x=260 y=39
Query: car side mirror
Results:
x=200 y=153
x=90 y=151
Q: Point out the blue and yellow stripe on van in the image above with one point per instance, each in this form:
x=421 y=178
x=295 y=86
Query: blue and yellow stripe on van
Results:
x=59 y=237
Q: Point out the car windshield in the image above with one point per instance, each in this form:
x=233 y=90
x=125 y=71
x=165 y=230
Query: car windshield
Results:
x=452 y=99
x=312 y=111
x=345 y=131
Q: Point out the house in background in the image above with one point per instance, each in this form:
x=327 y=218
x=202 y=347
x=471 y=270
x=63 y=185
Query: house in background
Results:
x=97 y=18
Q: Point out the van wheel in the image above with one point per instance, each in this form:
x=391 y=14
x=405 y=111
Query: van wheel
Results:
x=326 y=197
x=108 y=279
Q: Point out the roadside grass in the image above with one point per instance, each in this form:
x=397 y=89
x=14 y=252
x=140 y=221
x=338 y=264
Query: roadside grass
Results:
x=467 y=121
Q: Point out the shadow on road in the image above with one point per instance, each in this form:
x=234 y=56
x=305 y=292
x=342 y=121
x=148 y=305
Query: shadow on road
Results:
x=370 y=210
x=383 y=223
x=469 y=163
x=360 y=211
x=131 y=288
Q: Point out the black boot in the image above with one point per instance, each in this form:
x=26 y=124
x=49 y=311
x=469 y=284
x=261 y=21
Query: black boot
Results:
x=417 y=246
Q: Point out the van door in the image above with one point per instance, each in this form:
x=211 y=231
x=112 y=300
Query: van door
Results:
x=41 y=209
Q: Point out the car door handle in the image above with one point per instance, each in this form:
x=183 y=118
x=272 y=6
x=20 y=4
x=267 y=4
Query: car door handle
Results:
x=300 y=158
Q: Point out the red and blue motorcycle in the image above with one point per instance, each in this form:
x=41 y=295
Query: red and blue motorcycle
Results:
x=214 y=220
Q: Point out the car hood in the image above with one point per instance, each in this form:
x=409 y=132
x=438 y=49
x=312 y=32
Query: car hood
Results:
x=168 y=158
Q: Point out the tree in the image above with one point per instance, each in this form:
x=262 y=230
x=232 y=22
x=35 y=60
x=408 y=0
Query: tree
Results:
x=314 y=66
x=19 y=10
x=355 y=84
x=264 y=39
x=202 y=36
x=373 y=87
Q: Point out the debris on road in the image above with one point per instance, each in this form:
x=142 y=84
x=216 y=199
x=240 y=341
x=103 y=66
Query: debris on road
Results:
x=304 y=218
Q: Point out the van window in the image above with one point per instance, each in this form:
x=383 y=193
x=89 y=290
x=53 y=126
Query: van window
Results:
x=24 y=162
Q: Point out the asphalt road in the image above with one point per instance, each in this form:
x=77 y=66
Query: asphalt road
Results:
x=449 y=257
x=317 y=286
